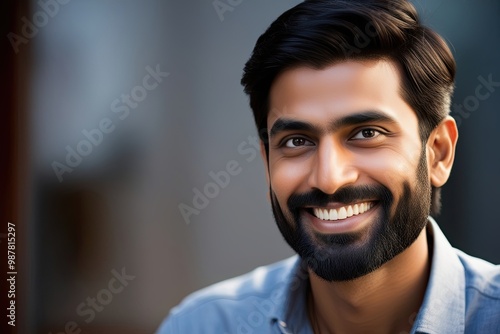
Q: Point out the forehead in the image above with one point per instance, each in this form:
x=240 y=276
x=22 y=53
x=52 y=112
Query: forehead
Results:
x=316 y=96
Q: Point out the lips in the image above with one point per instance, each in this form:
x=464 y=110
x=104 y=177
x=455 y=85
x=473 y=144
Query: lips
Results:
x=343 y=212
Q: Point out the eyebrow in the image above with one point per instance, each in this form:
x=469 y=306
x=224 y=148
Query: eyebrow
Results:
x=284 y=124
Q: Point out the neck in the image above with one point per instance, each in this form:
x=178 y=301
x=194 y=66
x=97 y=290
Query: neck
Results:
x=384 y=301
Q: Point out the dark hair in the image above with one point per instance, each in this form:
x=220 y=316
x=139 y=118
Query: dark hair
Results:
x=319 y=33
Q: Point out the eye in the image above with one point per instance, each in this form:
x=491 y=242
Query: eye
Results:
x=297 y=142
x=366 y=133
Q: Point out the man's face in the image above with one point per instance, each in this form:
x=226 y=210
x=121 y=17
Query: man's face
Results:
x=348 y=173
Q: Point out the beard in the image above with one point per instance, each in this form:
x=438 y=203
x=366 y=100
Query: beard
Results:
x=347 y=256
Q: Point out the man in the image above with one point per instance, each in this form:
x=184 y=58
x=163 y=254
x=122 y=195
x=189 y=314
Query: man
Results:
x=351 y=101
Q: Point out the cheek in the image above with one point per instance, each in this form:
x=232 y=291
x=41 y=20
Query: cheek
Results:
x=288 y=177
x=390 y=167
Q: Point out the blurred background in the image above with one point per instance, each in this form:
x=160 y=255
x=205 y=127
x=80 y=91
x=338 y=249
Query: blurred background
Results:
x=119 y=114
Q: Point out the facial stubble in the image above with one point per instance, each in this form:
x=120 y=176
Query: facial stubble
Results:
x=347 y=256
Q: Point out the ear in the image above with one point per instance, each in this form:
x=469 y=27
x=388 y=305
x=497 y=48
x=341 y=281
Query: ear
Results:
x=441 y=147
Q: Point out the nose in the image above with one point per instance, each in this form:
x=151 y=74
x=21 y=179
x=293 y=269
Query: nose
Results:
x=333 y=167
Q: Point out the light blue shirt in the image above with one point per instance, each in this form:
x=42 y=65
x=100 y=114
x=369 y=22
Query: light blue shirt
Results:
x=462 y=296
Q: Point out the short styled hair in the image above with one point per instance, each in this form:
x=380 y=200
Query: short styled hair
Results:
x=320 y=33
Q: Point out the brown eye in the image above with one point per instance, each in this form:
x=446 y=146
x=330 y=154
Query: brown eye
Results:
x=297 y=142
x=367 y=133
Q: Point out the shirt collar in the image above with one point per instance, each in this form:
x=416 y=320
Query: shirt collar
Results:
x=290 y=315
x=443 y=308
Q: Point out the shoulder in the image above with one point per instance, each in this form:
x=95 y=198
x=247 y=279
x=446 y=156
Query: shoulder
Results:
x=482 y=283
x=481 y=275
x=259 y=282
x=227 y=304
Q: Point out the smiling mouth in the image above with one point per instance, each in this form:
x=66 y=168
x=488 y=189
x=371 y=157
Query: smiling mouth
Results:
x=341 y=213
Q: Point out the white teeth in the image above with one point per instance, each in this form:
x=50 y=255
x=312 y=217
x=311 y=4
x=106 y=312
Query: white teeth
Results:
x=349 y=211
x=342 y=212
x=333 y=214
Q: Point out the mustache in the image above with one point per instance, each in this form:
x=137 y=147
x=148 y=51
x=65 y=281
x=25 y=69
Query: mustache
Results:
x=346 y=195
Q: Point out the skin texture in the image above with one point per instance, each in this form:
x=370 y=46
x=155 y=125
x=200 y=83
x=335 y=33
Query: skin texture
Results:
x=329 y=157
